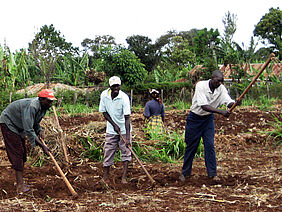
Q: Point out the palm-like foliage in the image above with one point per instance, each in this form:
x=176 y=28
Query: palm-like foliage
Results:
x=71 y=70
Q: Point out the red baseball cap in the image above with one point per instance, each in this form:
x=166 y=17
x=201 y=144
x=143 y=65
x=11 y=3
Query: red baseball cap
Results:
x=47 y=93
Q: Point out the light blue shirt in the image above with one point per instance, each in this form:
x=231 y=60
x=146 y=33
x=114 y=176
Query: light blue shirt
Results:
x=117 y=108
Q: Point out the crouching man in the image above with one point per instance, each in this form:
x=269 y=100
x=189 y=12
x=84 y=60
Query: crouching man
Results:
x=20 y=118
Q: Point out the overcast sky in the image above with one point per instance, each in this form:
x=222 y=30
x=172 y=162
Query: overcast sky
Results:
x=77 y=20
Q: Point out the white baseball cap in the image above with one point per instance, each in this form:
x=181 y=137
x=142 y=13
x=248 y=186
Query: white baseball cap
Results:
x=154 y=90
x=114 y=81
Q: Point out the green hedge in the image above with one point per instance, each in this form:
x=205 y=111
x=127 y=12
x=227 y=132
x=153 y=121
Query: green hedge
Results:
x=166 y=86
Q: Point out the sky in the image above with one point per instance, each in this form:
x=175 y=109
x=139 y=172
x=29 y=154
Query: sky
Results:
x=79 y=19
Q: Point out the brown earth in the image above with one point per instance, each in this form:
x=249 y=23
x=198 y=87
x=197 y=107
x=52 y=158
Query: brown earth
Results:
x=249 y=167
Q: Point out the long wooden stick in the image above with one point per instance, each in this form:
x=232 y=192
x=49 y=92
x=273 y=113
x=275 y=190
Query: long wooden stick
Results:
x=62 y=135
x=71 y=189
x=145 y=170
x=272 y=55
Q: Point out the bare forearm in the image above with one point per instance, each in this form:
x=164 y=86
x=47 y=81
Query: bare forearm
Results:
x=211 y=109
x=108 y=118
x=127 y=124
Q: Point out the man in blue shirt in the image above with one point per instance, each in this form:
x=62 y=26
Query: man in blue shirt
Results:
x=20 y=118
x=115 y=106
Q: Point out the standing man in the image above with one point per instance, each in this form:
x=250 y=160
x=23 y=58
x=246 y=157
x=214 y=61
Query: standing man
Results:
x=154 y=112
x=115 y=106
x=20 y=118
x=209 y=95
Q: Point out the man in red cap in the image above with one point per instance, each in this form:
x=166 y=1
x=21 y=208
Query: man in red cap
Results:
x=20 y=118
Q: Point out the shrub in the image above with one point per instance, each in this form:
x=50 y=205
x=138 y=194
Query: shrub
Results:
x=67 y=97
x=5 y=99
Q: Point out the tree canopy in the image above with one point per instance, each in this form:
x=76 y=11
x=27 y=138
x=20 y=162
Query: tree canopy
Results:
x=270 y=28
x=123 y=63
x=144 y=49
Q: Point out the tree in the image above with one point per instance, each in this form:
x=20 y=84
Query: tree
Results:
x=227 y=50
x=47 y=46
x=52 y=40
x=121 y=62
x=205 y=44
x=144 y=49
x=165 y=40
x=179 y=57
x=269 y=28
x=98 y=42
x=230 y=26
x=71 y=70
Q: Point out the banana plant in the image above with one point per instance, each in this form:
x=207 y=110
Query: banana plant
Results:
x=2 y=67
x=12 y=69
x=21 y=59
x=72 y=69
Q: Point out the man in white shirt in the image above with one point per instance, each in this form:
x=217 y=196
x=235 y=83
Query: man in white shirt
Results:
x=209 y=95
x=115 y=106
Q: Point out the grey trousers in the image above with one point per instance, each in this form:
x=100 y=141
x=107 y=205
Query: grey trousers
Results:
x=110 y=148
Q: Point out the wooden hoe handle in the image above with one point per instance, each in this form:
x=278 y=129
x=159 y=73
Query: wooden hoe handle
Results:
x=272 y=55
x=71 y=189
x=62 y=135
x=145 y=170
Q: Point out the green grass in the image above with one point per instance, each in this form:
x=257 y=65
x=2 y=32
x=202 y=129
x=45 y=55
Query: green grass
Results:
x=92 y=150
x=275 y=134
x=178 y=105
x=263 y=103
x=79 y=108
x=170 y=146
x=136 y=108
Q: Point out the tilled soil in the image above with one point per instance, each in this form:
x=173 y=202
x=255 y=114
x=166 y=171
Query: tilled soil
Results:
x=249 y=168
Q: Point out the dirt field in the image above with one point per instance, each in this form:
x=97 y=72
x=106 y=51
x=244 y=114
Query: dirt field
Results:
x=249 y=167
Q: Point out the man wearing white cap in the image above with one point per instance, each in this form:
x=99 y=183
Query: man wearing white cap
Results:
x=115 y=106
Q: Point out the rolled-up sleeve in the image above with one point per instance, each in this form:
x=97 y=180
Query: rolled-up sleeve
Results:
x=28 y=117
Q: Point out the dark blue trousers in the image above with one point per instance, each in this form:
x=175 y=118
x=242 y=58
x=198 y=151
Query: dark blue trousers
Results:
x=198 y=127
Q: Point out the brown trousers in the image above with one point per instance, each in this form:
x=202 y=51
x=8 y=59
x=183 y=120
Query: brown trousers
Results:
x=15 y=148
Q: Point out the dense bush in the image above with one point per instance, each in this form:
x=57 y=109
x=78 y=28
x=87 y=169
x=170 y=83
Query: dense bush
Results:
x=5 y=99
x=67 y=97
